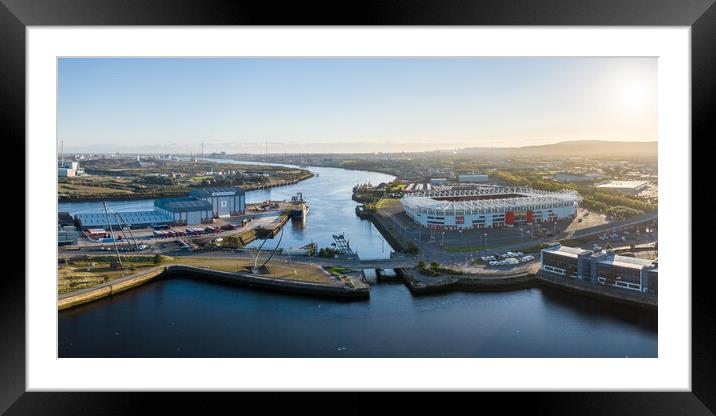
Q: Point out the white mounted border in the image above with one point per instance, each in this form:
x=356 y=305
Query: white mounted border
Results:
x=671 y=371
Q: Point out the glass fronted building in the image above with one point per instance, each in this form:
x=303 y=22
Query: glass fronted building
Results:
x=602 y=267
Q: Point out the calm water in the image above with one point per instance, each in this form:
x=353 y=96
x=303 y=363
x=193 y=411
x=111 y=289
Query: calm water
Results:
x=180 y=317
x=332 y=211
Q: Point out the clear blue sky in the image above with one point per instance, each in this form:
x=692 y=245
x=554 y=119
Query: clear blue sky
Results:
x=351 y=104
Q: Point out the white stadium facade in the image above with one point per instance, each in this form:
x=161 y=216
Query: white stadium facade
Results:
x=488 y=207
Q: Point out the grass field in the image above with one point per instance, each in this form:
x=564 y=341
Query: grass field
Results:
x=83 y=274
x=92 y=272
x=390 y=204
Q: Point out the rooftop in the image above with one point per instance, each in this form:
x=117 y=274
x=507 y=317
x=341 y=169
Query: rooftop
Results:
x=99 y=219
x=565 y=251
x=602 y=257
x=216 y=191
x=623 y=184
x=507 y=198
x=185 y=204
x=628 y=262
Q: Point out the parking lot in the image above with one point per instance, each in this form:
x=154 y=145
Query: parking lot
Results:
x=473 y=240
x=172 y=238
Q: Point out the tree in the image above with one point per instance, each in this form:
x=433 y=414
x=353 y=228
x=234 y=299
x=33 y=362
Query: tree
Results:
x=412 y=248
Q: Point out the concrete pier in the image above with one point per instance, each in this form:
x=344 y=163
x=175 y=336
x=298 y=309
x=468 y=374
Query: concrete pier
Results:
x=352 y=289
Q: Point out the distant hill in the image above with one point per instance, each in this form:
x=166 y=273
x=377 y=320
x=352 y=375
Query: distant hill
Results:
x=586 y=148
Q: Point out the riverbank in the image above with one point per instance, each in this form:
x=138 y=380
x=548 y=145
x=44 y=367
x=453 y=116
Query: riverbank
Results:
x=419 y=284
x=598 y=291
x=331 y=286
x=159 y=194
x=386 y=228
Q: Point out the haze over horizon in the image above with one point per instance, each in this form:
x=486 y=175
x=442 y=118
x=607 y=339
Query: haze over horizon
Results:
x=350 y=105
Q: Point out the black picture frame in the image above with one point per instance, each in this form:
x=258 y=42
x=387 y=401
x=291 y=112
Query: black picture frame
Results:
x=16 y=15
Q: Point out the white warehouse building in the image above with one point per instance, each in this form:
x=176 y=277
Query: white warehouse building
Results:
x=489 y=207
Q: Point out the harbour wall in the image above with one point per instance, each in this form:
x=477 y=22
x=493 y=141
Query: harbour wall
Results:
x=599 y=291
x=82 y=296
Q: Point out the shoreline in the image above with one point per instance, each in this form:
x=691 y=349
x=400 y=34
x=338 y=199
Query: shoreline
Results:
x=418 y=286
x=600 y=292
x=83 y=296
x=428 y=285
x=319 y=166
x=156 y=195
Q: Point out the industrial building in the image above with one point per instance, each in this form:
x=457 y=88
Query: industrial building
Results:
x=438 y=181
x=66 y=235
x=626 y=187
x=225 y=201
x=200 y=208
x=602 y=267
x=69 y=168
x=64 y=172
x=472 y=178
x=488 y=207
x=134 y=219
x=185 y=211
x=568 y=177
x=64 y=219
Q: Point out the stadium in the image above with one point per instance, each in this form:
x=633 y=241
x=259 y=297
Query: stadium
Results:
x=488 y=207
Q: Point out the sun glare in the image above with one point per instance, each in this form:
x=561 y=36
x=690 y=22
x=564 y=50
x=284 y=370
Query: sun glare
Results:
x=634 y=96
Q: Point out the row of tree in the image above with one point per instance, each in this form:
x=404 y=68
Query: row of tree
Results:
x=611 y=203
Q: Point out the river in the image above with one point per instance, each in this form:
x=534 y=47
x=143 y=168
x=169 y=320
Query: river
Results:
x=181 y=317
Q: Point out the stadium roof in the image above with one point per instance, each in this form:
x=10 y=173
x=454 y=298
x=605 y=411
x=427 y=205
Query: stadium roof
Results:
x=216 y=191
x=183 y=204
x=524 y=199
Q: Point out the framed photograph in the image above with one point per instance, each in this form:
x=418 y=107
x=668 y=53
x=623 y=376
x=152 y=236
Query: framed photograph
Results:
x=441 y=198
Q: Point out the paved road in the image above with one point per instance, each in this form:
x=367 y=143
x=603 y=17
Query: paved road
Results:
x=587 y=232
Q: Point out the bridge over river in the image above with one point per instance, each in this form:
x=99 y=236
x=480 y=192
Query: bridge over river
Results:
x=357 y=263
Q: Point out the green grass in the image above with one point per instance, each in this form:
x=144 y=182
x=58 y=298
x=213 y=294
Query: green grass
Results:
x=337 y=270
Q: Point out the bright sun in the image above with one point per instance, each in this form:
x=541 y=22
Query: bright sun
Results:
x=634 y=96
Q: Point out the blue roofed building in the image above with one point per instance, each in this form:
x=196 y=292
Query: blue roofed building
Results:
x=225 y=201
x=185 y=211
x=134 y=219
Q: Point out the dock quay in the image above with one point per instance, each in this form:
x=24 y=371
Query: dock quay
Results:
x=598 y=291
x=388 y=232
x=352 y=287
x=418 y=284
x=243 y=238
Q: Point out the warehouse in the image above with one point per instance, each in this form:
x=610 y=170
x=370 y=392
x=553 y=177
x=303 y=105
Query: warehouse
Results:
x=472 y=178
x=225 y=201
x=134 y=219
x=488 y=207
x=66 y=235
x=185 y=211
x=625 y=187
x=602 y=267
